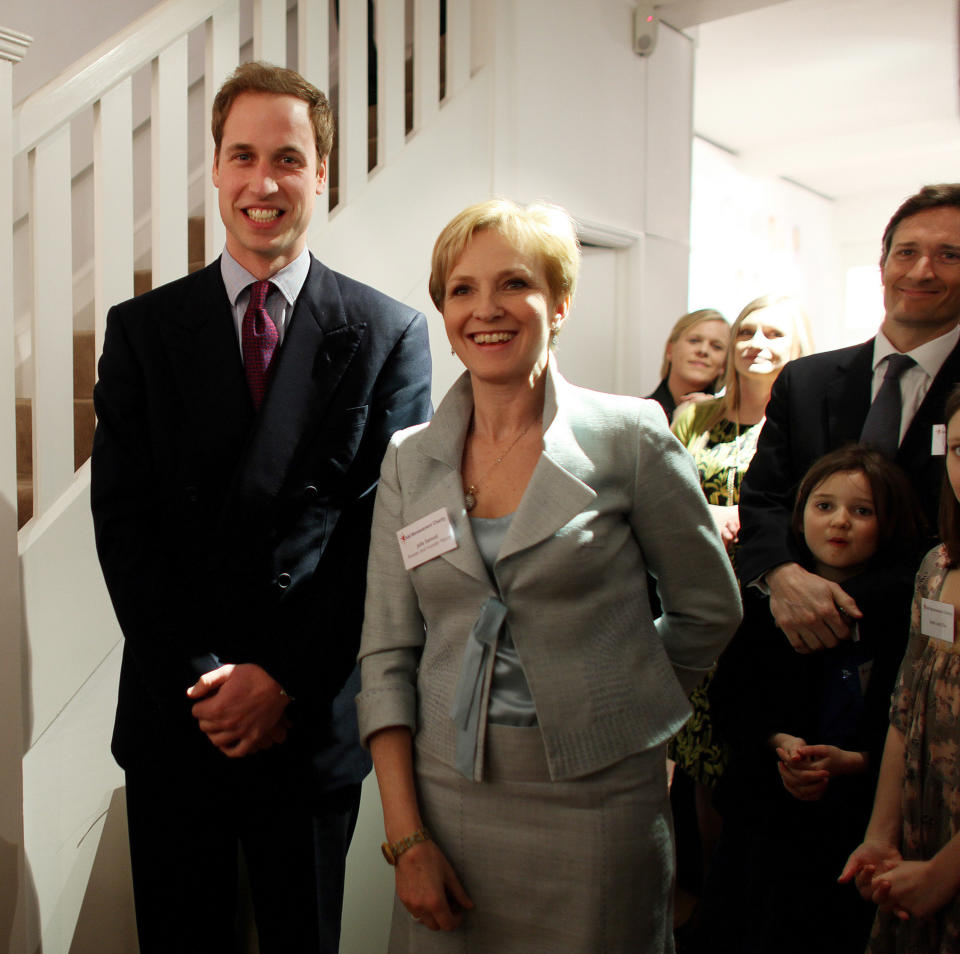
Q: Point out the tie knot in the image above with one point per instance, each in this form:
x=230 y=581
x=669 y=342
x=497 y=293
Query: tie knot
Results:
x=258 y=293
x=896 y=365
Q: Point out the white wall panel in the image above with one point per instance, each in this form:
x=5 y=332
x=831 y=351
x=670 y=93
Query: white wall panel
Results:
x=669 y=133
x=69 y=781
x=587 y=349
x=580 y=95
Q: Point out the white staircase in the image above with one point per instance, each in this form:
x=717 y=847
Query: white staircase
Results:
x=61 y=789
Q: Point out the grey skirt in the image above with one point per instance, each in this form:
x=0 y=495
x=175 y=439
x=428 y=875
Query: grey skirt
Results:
x=573 y=867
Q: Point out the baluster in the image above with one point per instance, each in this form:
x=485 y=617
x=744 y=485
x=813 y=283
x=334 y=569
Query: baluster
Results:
x=112 y=202
x=313 y=64
x=426 y=61
x=168 y=171
x=353 y=124
x=390 y=91
x=221 y=53
x=13 y=46
x=458 y=45
x=51 y=243
x=270 y=31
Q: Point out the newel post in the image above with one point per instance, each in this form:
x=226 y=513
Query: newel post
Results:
x=13 y=46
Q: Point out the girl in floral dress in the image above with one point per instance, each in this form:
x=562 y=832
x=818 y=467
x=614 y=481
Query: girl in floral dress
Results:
x=909 y=862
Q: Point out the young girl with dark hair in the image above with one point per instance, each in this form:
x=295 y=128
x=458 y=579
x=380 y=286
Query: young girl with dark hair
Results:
x=909 y=862
x=806 y=731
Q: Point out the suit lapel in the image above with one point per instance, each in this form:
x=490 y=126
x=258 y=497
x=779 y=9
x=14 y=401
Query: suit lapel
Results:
x=200 y=339
x=848 y=395
x=318 y=347
x=443 y=443
x=554 y=495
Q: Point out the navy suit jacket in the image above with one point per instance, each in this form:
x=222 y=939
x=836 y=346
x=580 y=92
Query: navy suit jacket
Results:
x=227 y=535
x=819 y=403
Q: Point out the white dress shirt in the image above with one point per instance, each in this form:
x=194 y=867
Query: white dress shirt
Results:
x=916 y=380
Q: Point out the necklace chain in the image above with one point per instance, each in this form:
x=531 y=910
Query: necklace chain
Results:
x=470 y=494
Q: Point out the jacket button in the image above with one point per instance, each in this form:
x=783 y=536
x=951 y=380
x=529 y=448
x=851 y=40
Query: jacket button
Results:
x=283 y=581
x=310 y=492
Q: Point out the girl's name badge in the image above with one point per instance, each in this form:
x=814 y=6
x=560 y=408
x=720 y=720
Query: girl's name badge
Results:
x=426 y=538
x=938 y=440
x=936 y=620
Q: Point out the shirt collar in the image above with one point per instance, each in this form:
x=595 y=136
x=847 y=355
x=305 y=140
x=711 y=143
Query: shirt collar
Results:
x=288 y=281
x=929 y=356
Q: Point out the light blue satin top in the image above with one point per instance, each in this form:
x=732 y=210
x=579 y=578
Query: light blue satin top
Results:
x=510 y=700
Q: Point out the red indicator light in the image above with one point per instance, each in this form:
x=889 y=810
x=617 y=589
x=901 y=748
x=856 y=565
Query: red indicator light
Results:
x=649 y=19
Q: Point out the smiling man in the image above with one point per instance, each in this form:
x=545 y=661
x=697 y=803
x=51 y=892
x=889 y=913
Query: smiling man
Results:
x=243 y=412
x=889 y=392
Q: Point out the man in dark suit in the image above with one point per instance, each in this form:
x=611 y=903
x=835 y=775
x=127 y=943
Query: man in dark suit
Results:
x=241 y=429
x=823 y=401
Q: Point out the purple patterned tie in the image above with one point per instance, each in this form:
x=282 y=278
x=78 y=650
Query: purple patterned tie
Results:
x=259 y=340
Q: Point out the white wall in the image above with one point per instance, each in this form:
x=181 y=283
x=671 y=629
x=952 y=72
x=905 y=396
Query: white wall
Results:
x=755 y=235
x=581 y=120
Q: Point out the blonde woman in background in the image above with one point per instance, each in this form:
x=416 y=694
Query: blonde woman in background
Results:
x=721 y=434
x=694 y=358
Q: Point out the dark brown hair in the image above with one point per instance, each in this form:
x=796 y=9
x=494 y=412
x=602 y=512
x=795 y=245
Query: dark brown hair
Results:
x=257 y=77
x=949 y=521
x=929 y=197
x=899 y=518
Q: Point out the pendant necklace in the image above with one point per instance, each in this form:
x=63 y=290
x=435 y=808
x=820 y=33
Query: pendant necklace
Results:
x=470 y=494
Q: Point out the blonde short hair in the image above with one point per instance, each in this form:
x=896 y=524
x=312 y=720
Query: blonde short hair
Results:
x=545 y=232
x=683 y=324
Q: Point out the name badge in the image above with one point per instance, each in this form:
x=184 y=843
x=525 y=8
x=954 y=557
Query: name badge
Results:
x=426 y=538
x=938 y=440
x=936 y=620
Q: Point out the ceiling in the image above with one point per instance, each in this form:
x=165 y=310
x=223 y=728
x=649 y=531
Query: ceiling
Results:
x=843 y=97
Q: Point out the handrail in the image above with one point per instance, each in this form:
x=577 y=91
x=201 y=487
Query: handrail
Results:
x=112 y=61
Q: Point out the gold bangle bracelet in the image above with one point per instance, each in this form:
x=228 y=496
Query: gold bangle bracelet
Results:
x=393 y=850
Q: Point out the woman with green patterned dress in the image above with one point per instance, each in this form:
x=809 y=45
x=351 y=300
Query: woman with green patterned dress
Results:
x=721 y=434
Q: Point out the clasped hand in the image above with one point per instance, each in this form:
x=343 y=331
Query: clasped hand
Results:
x=240 y=708
x=907 y=888
x=806 y=770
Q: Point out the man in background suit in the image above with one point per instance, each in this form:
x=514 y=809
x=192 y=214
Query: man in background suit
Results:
x=241 y=429
x=821 y=402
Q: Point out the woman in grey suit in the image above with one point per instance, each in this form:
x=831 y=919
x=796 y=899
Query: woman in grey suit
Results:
x=517 y=695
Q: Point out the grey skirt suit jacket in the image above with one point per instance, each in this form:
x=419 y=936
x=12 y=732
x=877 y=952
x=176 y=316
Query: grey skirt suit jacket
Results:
x=613 y=497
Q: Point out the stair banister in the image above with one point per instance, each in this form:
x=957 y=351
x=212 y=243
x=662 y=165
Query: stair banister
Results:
x=113 y=202
x=458 y=45
x=352 y=123
x=270 y=31
x=221 y=53
x=51 y=242
x=81 y=84
x=169 y=207
x=13 y=47
x=313 y=62
x=391 y=99
x=426 y=61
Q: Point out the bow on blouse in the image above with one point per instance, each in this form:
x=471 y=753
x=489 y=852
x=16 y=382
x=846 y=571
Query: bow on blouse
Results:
x=467 y=702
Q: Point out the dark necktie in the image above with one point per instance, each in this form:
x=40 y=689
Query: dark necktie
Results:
x=882 y=425
x=259 y=340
